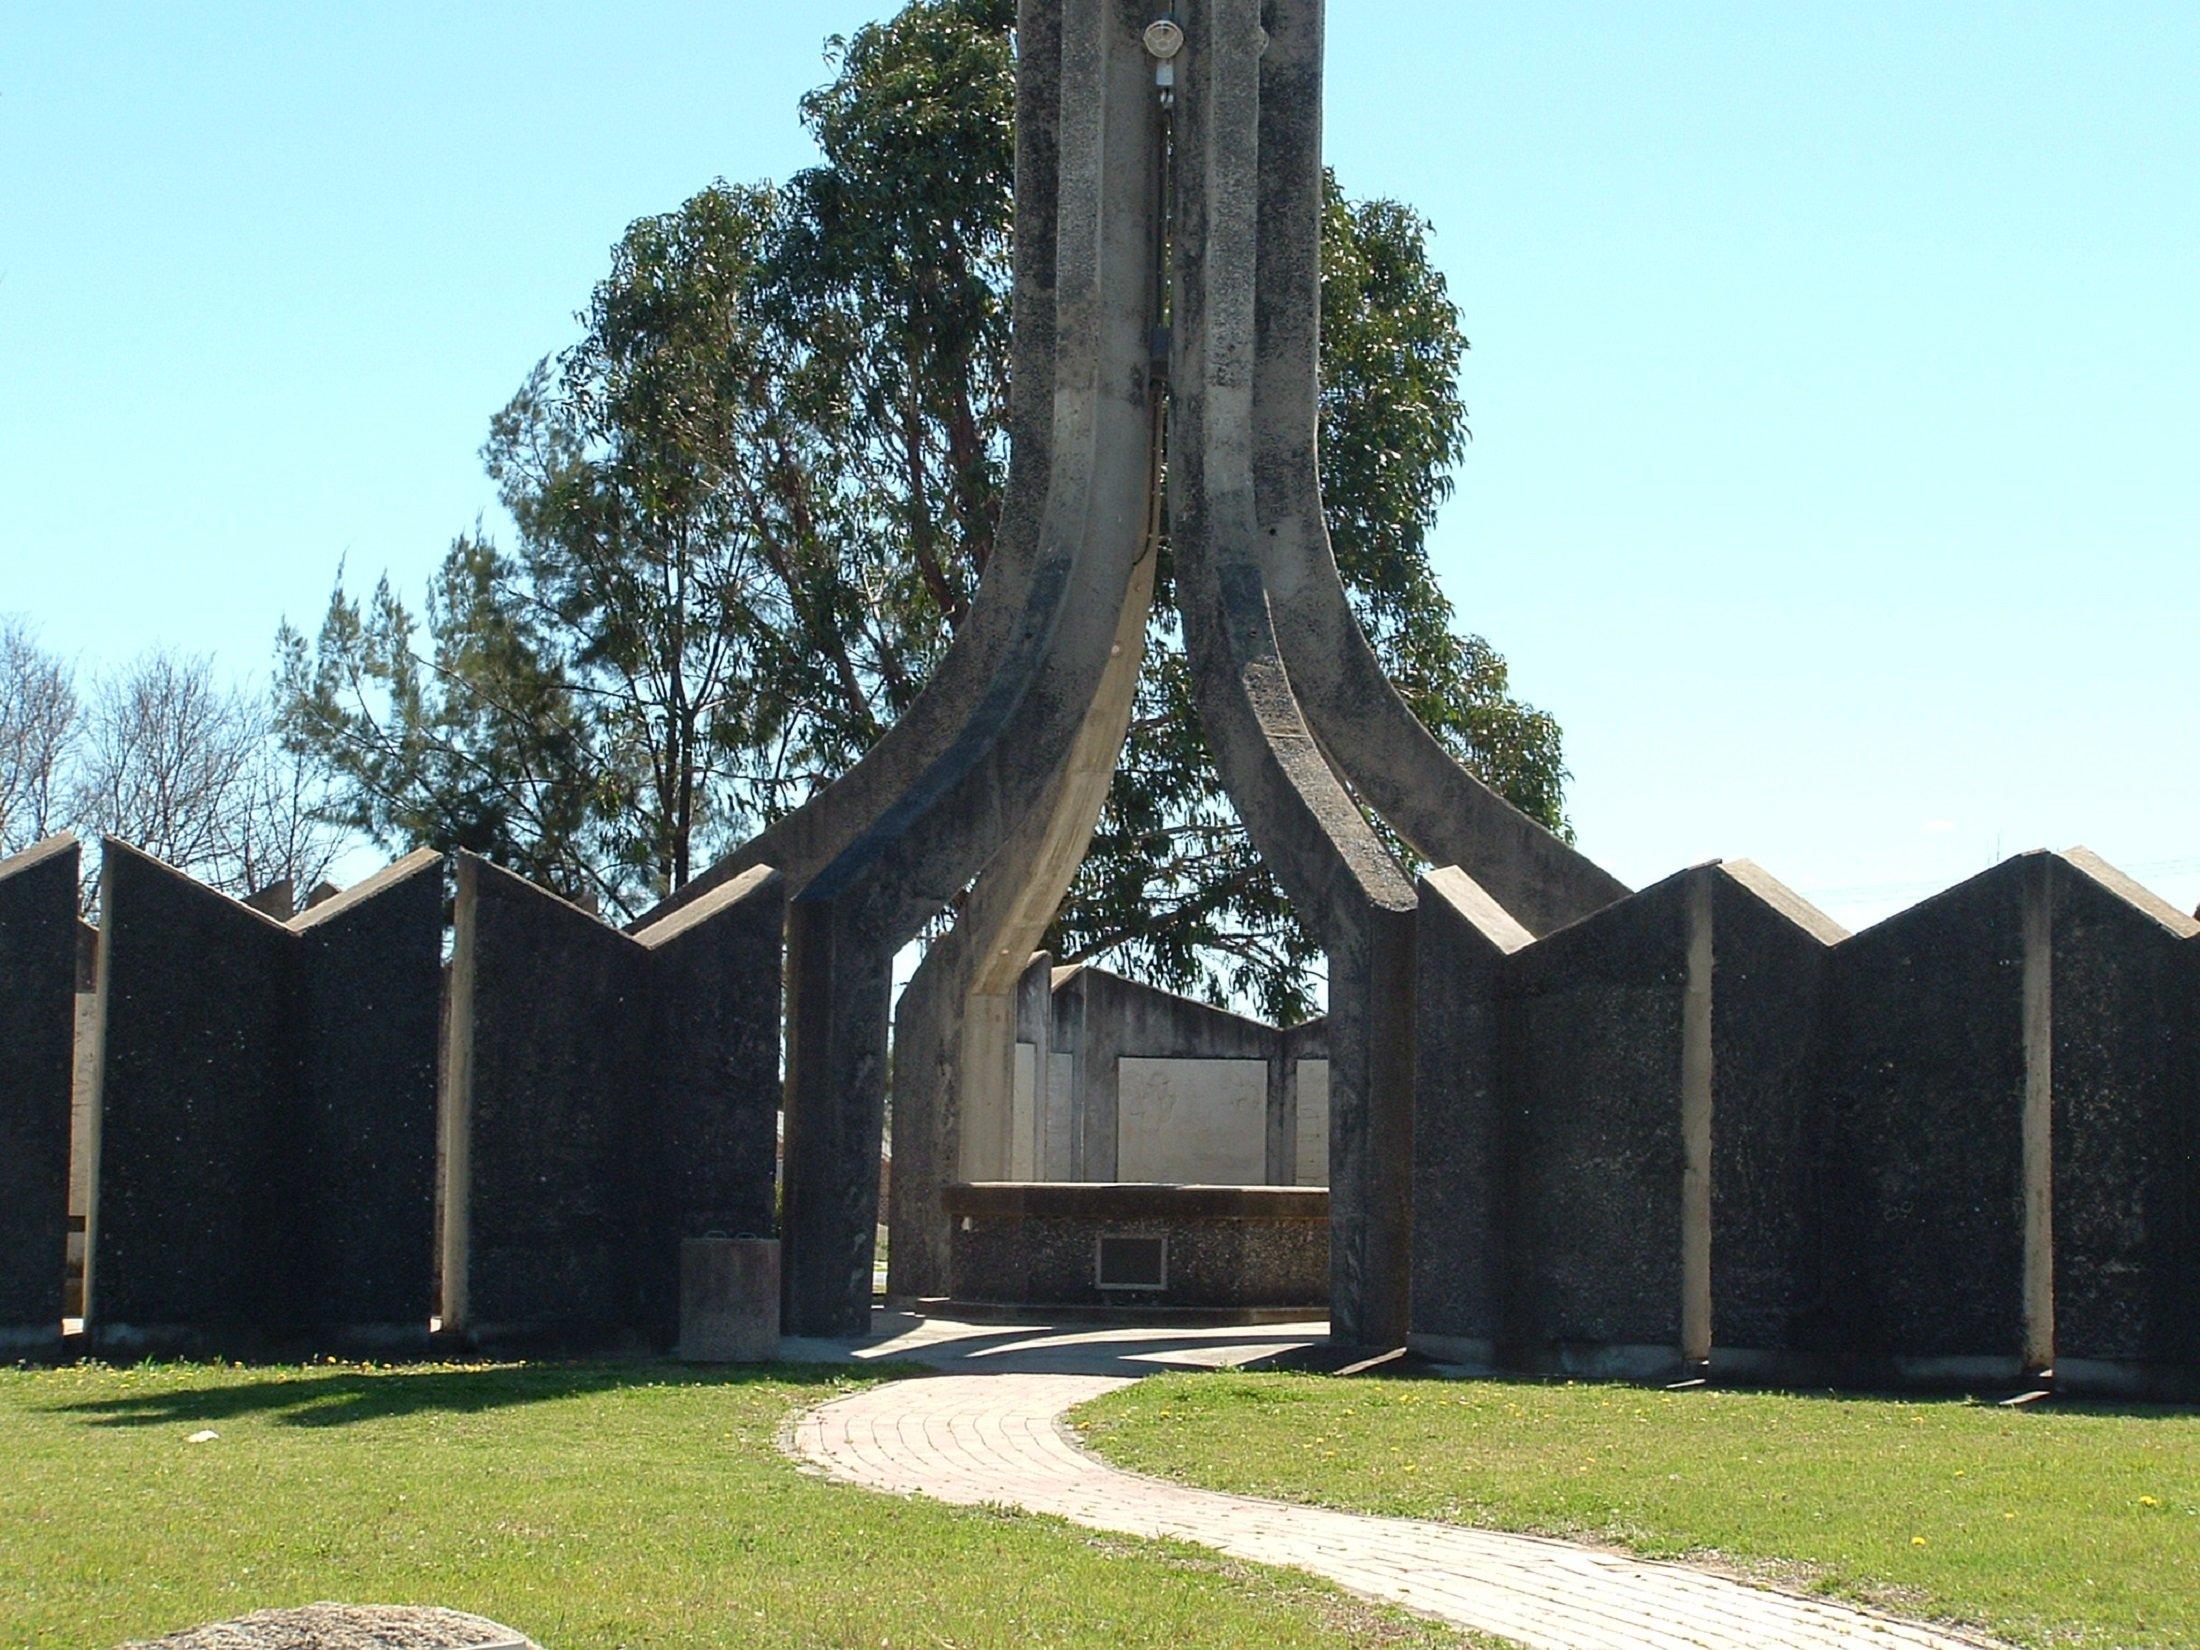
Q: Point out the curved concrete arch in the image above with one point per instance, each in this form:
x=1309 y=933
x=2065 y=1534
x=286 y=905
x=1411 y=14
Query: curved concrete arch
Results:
x=988 y=792
x=800 y=843
x=948 y=822
x=955 y=1026
x=1301 y=818
x=1439 y=806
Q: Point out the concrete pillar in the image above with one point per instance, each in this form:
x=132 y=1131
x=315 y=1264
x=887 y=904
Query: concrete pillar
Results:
x=986 y=1071
x=1006 y=763
x=1034 y=1029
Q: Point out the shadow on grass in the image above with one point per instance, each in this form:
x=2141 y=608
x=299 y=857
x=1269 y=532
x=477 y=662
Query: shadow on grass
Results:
x=343 y=1397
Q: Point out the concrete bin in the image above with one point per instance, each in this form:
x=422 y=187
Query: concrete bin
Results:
x=729 y=1300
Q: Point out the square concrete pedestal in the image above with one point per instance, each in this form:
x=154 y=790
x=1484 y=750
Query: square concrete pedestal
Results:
x=729 y=1300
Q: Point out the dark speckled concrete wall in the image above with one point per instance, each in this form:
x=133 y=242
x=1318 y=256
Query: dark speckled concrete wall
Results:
x=1459 y=1220
x=2126 y=1156
x=714 y=1076
x=1592 y=1052
x=557 y=1008
x=266 y=1114
x=1770 y=956
x=1879 y=1106
x=38 y=930
x=370 y=964
x=617 y=1092
x=1922 y=1215
x=199 y=1139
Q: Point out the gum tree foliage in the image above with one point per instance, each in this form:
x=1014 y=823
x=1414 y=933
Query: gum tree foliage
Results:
x=753 y=501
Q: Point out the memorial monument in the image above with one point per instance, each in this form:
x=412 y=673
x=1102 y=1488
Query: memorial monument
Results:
x=1167 y=287
x=1699 y=1128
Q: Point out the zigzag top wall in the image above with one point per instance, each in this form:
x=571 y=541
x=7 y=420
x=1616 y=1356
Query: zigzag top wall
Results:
x=260 y=1107
x=263 y=1151
x=1706 y=1123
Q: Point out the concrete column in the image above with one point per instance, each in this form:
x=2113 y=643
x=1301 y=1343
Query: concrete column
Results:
x=1279 y=1140
x=926 y=1122
x=839 y=984
x=2038 y=1124
x=1034 y=1027
x=954 y=817
x=986 y=1072
x=1301 y=818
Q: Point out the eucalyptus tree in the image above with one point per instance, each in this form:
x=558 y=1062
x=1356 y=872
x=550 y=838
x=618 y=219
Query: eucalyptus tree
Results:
x=751 y=503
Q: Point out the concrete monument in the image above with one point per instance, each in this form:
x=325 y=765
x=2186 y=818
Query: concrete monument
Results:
x=1166 y=311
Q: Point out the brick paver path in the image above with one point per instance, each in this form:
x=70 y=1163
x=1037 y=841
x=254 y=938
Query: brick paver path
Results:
x=998 y=1439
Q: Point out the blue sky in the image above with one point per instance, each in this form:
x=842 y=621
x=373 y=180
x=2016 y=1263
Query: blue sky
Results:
x=1836 y=475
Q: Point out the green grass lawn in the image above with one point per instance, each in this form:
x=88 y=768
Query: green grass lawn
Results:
x=2054 y=1524
x=596 y=1507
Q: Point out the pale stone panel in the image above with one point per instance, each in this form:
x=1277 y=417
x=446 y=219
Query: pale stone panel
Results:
x=84 y=1083
x=1193 y=1122
x=1023 y=1154
x=1061 y=1117
x=1311 y=1149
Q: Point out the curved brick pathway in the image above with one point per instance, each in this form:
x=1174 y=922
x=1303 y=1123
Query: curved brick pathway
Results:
x=997 y=1438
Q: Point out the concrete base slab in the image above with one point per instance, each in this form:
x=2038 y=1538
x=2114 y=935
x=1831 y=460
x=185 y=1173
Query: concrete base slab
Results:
x=954 y=1343
x=1139 y=1317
